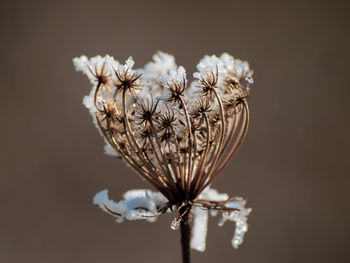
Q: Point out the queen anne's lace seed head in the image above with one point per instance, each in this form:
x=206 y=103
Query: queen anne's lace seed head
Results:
x=178 y=136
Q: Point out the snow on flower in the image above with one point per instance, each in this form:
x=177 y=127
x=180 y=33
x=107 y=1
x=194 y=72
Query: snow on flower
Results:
x=175 y=135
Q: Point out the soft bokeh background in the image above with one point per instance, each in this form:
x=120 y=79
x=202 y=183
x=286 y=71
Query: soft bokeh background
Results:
x=293 y=168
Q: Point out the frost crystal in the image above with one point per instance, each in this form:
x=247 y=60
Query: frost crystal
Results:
x=200 y=228
x=198 y=241
x=137 y=205
x=109 y=150
x=170 y=82
x=162 y=64
x=239 y=217
x=175 y=224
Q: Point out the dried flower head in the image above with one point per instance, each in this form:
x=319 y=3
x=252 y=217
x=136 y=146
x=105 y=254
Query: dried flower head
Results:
x=175 y=135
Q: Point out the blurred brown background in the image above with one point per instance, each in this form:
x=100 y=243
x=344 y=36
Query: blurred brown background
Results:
x=293 y=167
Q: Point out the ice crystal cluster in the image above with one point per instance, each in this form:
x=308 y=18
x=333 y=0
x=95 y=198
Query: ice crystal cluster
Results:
x=176 y=135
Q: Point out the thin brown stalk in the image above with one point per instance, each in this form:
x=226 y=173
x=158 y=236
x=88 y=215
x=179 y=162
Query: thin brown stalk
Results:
x=186 y=231
x=130 y=135
x=140 y=171
x=222 y=133
x=188 y=122
x=202 y=162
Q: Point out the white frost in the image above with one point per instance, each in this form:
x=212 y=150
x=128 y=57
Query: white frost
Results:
x=109 y=150
x=145 y=204
x=171 y=80
x=162 y=64
x=240 y=219
x=198 y=240
x=210 y=65
x=199 y=229
x=90 y=66
x=137 y=205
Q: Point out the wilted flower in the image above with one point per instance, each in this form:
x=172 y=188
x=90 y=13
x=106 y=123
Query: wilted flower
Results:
x=175 y=135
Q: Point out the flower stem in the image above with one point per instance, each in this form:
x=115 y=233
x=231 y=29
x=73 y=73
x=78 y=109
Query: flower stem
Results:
x=186 y=236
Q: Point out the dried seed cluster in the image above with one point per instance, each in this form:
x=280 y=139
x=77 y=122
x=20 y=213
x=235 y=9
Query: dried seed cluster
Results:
x=176 y=135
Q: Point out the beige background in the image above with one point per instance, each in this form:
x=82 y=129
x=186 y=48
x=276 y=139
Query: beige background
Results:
x=293 y=167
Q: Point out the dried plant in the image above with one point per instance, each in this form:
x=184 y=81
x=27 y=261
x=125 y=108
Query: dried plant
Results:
x=175 y=135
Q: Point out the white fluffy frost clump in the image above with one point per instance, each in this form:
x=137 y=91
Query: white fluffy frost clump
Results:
x=239 y=216
x=137 y=205
x=147 y=204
